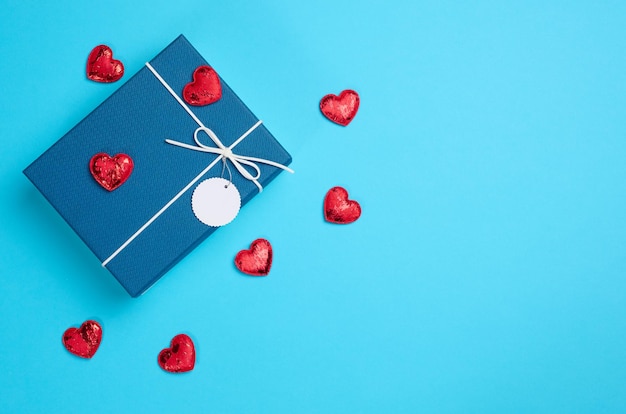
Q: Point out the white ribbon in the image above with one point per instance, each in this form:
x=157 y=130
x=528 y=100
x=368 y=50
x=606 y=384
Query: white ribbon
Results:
x=225 y=153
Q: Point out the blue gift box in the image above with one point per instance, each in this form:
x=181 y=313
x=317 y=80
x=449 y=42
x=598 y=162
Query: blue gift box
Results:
x=123 y=227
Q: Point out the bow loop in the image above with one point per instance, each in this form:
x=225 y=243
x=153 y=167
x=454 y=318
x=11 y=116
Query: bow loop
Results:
x=211 y=135
x=237 y=161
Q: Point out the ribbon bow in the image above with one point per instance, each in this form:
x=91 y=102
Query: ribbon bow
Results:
x=226 y=153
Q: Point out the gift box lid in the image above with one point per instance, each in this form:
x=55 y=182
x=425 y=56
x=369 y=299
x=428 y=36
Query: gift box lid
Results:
x=136 y=120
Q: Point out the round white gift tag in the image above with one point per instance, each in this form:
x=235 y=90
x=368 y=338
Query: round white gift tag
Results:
x=216 y=202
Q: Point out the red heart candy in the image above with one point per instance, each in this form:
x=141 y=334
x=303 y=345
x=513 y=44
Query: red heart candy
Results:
x=101 y=67
x=256 y=261
x=340 y=109
x=338 y=209
x=180 y=356
x=205 y=88
x=110 y=172
x=83 y=341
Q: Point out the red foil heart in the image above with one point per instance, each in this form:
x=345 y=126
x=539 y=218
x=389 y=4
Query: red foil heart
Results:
x=256 y=261
x=83 y=341
x=180 y=356
x=101 y=67
x=340 y=109
x=338 y=208
x=110 y=172
x=205 y=88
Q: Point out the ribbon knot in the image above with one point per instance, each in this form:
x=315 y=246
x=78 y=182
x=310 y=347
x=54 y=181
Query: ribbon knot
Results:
x=227 y=153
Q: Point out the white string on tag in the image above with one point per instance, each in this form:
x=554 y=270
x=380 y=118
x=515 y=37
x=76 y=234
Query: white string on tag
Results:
x=224 y=154
x=230 y=174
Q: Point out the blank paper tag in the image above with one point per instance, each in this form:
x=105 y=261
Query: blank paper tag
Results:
x=216 y=202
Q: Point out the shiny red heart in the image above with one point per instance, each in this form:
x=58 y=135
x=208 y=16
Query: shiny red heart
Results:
x=110 y=172
x=101 y=67
x=340 y=109
x=256 y=261
x=205 y=88
x=338 y=208
x=83 y=341
x=180 y=356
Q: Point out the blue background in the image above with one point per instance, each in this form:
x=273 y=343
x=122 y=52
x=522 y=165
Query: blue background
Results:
x=486 y=274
